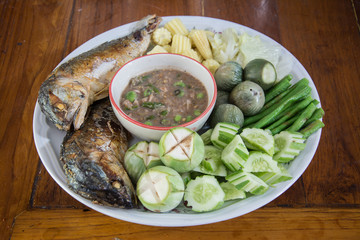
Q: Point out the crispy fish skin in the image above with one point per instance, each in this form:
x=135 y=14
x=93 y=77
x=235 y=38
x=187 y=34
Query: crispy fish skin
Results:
x=92 y=159
x=71 y=88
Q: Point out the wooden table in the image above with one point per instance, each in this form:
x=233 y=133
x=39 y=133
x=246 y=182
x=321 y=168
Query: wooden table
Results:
x=323 y=34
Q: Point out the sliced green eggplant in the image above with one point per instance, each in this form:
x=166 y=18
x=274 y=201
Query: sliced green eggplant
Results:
x=160 y=189
x=141 y=156
x=261 y=72
x=181 y=149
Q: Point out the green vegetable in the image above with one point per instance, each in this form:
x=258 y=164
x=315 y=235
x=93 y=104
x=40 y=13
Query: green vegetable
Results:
x=204 y=194
x=152 y=105
x=206 y=137
x=148 y=123
x=300 y=84
x=261 y=72
x=290 y=112
x=249 y=97
x=165 y=122
x=235 y=154
x=199 y=95
x=147 y=92
x=228 y=75
x=304 y=116
x=141 y=156
x=197 y=112
x=267 y=116
x=277 y=89
x=260 y=162
x=212 y=164
x=258 y=139
x=164 y=113
x=319 y=113
x=177 y=118
x=231 y=192
x=155 y=89
x=284 y=125
x=272 y=178
x=131 y=96
x=189 y=118
x=160 y=189
x=223 y=133
x=179 y=92
x=311 y=128
x=221 y=98
x=179 y=84
x=288 y=145
x=181 y=149
x=247 y=182
x=227 y=113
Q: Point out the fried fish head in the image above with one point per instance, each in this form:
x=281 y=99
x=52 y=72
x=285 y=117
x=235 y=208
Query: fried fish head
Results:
x=64 y=101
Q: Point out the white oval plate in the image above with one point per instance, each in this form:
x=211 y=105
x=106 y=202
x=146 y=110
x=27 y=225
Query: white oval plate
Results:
x=48 y=140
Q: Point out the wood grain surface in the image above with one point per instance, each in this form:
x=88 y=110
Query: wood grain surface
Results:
x=324 y=35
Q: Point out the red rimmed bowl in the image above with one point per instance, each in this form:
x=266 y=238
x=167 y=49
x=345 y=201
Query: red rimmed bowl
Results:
x=149 y=63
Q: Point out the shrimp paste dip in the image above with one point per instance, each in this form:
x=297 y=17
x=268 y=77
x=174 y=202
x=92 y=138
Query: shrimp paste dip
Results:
x=164 y=97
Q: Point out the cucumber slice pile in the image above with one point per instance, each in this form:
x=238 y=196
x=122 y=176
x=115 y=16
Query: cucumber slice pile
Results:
x=204 y=194
x=223 y=133
x=288 y=145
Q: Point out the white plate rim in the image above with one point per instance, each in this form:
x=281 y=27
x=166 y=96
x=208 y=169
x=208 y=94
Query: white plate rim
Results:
x=48 y=155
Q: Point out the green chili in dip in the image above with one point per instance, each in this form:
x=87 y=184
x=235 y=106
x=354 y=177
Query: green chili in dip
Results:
x=164 y=97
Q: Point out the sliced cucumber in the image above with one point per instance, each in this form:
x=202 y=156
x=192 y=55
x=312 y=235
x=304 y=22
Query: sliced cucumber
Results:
x=247 y=182
x=272 y=178
x=288 y=145
x=141 y=156
x=235 y=154
x=258 y=139
x=160 y=189
x=231 y=192
x=204 y=194
x=206 y=137
x=212 y=164
x=261 y=72
x=181 y=149
x=260 y=162
x=223 y=133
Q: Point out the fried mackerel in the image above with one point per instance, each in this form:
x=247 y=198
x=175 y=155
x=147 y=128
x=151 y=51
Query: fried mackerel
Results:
x=72 y=87
x=92 y=159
